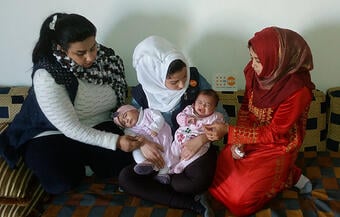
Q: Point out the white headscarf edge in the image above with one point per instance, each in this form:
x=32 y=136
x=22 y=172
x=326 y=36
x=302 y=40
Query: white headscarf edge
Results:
x=151 y=59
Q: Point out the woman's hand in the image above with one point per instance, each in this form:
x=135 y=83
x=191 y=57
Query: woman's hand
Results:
x=216 y=131
x=128 y=143
x=152 y=152
x=237 y=151
x=191 y=147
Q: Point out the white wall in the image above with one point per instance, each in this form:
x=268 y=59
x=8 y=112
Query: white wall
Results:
x=213 y=34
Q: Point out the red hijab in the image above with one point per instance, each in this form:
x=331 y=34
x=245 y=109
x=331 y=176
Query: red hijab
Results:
x=286 y=59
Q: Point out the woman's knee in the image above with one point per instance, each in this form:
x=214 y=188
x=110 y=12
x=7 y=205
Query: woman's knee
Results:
x=126 y=178
x=246 y=203
x=60 y=181
x=55 y=175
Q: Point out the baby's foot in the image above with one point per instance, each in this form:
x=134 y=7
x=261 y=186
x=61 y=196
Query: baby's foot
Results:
x=307 y=188
x=163 y=178
x=304 y=185
x=202 y=205
x=143 y=168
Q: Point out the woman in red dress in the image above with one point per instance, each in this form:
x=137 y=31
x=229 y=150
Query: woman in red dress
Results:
x=258 y=161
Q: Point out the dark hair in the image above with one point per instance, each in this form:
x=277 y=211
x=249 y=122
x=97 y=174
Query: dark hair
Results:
x=68 y=28
x=209 y=92
x=175 y=66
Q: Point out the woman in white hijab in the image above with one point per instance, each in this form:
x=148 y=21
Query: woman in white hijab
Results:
x=167 y=84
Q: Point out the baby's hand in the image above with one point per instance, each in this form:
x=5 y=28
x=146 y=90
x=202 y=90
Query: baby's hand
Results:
x=154 y=133
x=191 y=120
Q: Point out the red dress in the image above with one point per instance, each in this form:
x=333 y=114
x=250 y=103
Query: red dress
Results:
x=272 y=138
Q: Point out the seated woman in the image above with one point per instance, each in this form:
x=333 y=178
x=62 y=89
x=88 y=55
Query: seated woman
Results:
x=258 y=161
x=64 y=124
x=169 y=85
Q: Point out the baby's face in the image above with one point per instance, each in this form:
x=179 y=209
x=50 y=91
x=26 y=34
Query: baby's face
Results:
x=129 y=118
x=204 y=105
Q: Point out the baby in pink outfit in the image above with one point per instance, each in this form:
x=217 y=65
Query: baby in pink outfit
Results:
x=191 y=122
x=150 y=124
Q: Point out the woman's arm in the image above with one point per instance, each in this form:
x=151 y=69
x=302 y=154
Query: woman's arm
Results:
x=152 y=152
x=285 y=116
x=128 y=143
x=191 y=147
x=55 y=103
x=243 y=112
x=216 y=131
x=158 y=120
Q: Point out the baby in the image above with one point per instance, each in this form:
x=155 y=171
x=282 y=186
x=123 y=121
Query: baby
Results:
x=150 y=124
x=191 y=124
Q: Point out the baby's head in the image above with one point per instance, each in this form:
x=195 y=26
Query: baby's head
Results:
x=206 y=102
x=126 y=116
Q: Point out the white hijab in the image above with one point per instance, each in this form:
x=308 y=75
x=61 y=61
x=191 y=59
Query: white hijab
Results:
x=151 y=60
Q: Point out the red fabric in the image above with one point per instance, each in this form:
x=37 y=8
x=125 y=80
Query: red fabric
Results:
x=271 y=138
x=286 y=59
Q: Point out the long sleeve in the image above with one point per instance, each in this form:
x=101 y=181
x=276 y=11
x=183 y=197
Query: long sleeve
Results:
x=243 y=113
x=158 y=120
x=59 y=110
x=182 y=117
x=277 y=130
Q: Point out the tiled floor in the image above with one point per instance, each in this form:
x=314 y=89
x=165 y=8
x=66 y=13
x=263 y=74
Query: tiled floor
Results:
x=95 y=198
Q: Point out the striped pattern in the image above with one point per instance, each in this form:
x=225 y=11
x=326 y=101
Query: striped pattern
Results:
x=16 y=208
x=19 y=192
x=14 y=183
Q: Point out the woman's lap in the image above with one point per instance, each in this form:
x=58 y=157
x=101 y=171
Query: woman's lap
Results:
x=180 y=193
x=59 y=162
x=58 y=167
x=197 y=176
x=245 y=185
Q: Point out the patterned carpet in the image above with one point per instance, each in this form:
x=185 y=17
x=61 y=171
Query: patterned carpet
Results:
x=96 y=198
